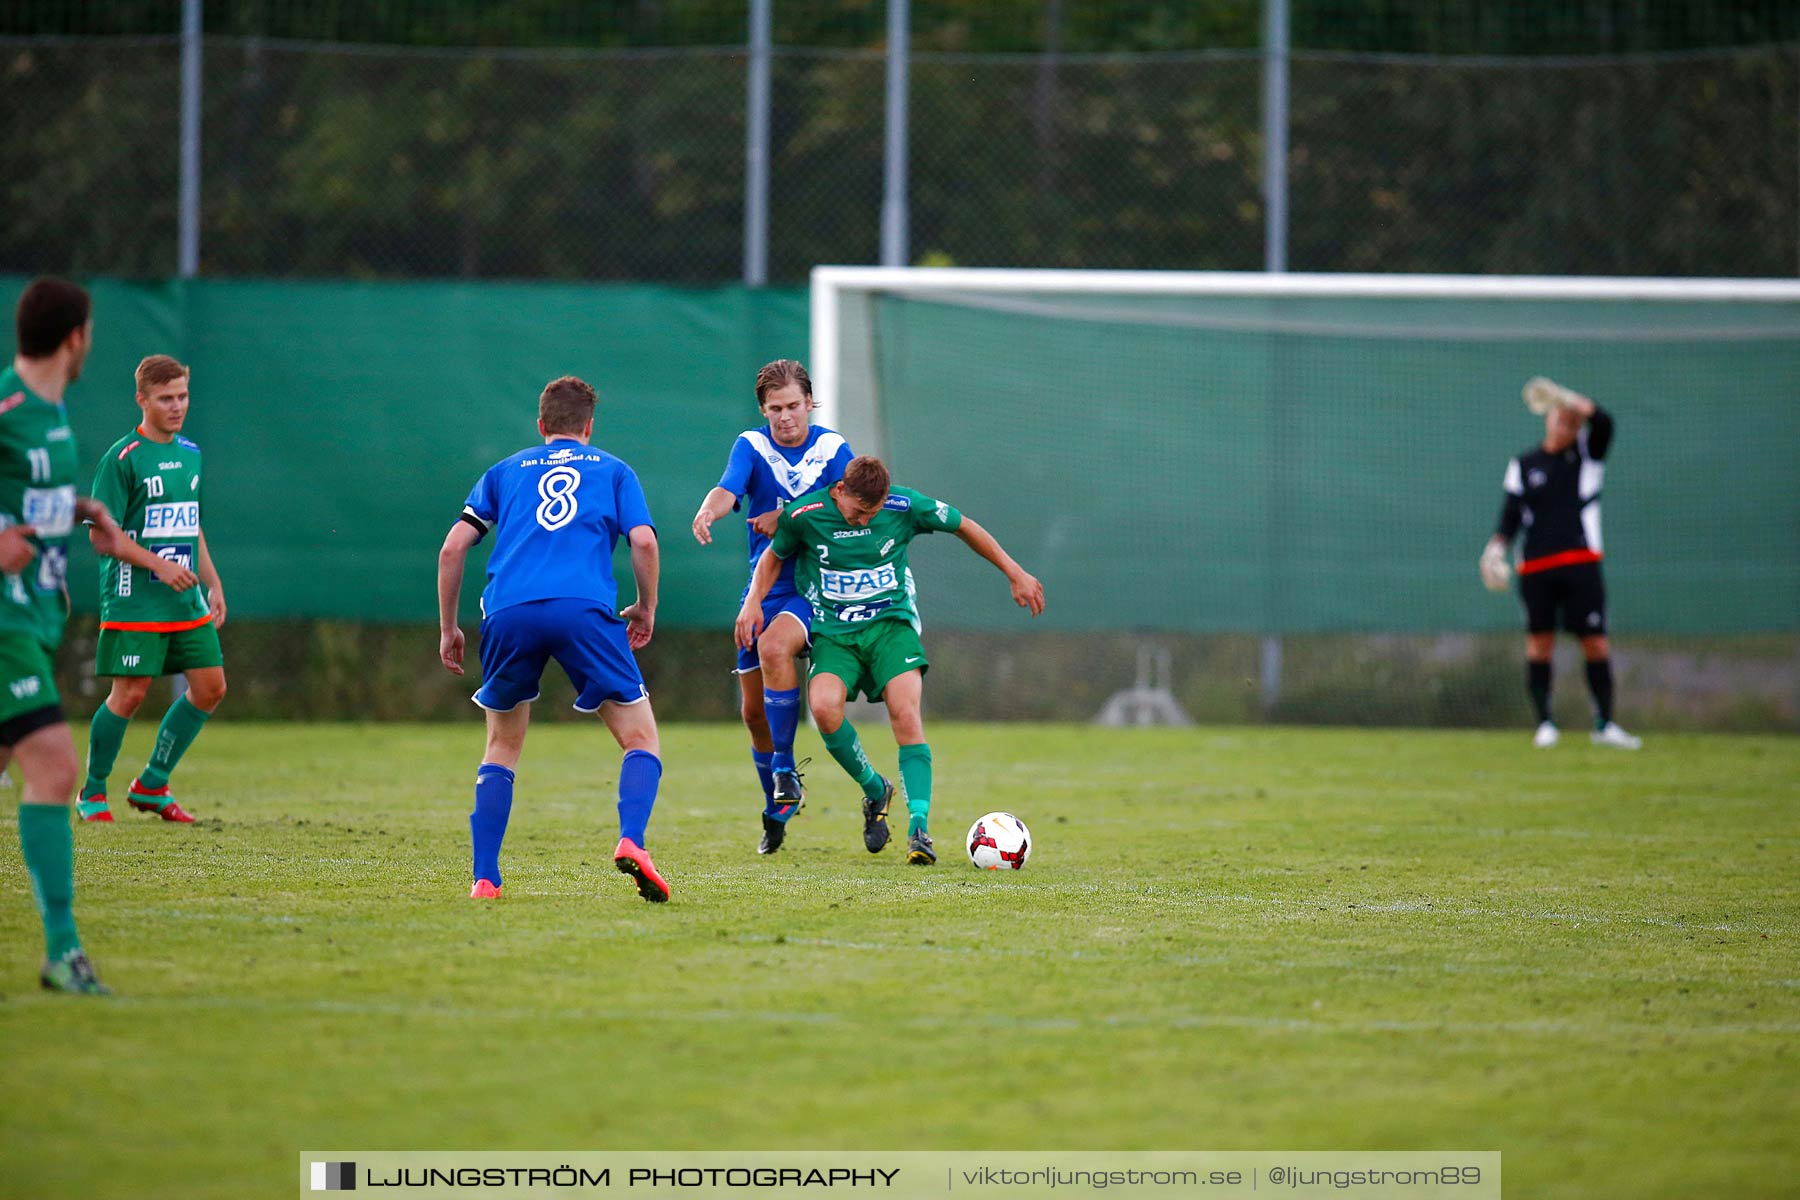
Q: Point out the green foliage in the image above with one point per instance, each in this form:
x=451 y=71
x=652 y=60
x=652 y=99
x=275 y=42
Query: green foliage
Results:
x=605 y=141
x=1279 y=938
x=1402 y=26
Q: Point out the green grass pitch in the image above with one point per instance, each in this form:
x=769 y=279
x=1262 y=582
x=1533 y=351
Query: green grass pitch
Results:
x=1226 y=939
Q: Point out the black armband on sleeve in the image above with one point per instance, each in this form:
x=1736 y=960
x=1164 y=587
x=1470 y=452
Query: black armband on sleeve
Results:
x=474 y=523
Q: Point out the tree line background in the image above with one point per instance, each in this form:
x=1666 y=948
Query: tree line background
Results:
x=605 y=141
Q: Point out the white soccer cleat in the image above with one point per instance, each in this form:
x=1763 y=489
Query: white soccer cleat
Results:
x=1547 y=736
x=1611 y=735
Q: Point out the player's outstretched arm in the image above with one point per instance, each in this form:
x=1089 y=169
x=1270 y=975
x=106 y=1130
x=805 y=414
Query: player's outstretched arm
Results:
x=215 y=589
x=646 y=568
x=718 y=502
x=1027 y=592
x=451 y=559
x=750 y=616
x=108 y=539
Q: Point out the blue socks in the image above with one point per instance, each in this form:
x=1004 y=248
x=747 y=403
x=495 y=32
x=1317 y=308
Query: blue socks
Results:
x=783 y=710
x=487 y=824
x=765 y=774
x=638 y=776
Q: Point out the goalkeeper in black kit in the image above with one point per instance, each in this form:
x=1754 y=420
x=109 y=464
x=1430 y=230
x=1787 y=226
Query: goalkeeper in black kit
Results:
x=1553 y=494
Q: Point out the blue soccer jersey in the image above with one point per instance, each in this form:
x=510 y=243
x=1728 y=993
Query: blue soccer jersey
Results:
x=763 y=473
x=557 y=511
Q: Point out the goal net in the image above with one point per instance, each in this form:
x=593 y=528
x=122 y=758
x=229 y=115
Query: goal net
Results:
x=1212 y=455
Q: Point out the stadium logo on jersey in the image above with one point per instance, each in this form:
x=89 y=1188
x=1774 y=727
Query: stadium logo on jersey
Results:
x=170 y=466
x=180 y=519
x=851 y=533
x=858 y=585
x=61 y=433
x=897 y=503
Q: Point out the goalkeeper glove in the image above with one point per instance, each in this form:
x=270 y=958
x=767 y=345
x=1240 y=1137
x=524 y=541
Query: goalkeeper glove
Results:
x=1542 y=395
x=1496 y=572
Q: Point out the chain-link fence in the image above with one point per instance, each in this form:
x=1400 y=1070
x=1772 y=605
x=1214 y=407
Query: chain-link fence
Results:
x=333 y=160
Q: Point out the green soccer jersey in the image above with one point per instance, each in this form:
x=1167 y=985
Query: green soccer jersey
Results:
x=152 y=490
x=856 y=574
x=38 y=473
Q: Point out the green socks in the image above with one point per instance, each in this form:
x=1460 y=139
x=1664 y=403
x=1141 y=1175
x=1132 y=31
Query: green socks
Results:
x=915 y=772
x=49 y=847
x=180 y=726
x=915 y=779
x=847 y=749
x=104 y=738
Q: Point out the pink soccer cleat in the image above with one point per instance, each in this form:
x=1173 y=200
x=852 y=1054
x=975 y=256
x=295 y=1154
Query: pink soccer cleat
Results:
x=158 y=801
x=633 y=860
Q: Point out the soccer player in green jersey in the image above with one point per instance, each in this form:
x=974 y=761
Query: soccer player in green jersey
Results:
x=153 y=620
x=850 y=544
x=39 y=505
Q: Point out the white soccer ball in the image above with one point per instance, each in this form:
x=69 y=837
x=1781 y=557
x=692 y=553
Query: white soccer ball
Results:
x=998 y=842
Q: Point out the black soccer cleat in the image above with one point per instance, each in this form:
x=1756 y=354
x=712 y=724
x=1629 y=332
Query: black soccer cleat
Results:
x=787 y=787
x=774 y=833
x=875 y=826
x=918 y=850
x=74 y=974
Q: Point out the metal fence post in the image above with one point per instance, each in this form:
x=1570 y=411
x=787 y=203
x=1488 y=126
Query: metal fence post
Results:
x=756 y=148
x=893 y=198
x=1275 y=226
x=187 y=256
x=1275 y=134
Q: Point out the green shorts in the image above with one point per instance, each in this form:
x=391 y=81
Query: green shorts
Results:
x=138 y=652
x=867 y=658
x=27 y=676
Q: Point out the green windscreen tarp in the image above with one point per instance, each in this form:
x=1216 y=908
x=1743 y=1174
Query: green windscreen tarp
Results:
x=343 y=424
x=1226 y=465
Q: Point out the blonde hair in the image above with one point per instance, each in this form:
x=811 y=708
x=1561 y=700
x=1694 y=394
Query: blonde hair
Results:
x=157 y=370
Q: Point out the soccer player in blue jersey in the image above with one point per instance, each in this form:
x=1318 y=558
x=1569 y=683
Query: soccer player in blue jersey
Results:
x=788 y=457
x=557 y=511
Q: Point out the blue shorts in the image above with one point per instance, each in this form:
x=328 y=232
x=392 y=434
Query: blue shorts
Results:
x=588 y=641
x=792 y=603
